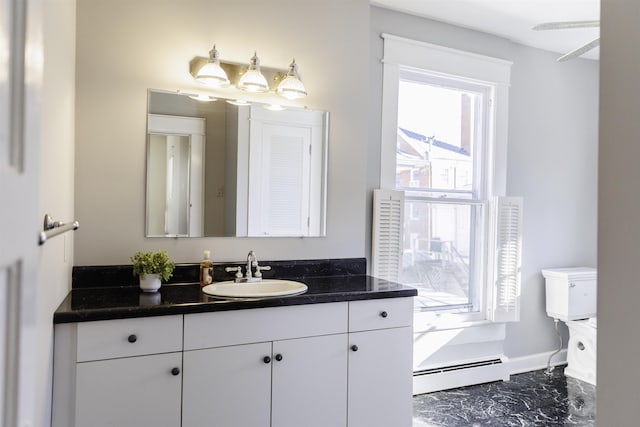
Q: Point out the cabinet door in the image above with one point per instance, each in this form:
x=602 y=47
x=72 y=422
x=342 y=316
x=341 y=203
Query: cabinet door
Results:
x=380 y=378
x=310 y=382
x=227 y=386
x=133 y=391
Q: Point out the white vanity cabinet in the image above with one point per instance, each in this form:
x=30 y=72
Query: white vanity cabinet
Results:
x=380 y=362
x=118 y=373
x=337 y=364
x=277 y=367
x=131 y=391
x=309 y=384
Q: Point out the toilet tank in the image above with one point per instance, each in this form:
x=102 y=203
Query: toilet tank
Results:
x=571 y=292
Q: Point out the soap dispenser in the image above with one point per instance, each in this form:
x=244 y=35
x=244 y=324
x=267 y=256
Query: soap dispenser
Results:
x=206 y=270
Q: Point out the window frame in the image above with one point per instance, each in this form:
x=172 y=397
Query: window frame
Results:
x=404 y=56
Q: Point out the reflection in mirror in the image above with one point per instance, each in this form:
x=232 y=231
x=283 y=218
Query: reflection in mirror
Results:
x=219 y=169
x=174 y=176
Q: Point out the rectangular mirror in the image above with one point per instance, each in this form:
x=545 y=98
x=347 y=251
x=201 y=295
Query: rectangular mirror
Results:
x=217 y=169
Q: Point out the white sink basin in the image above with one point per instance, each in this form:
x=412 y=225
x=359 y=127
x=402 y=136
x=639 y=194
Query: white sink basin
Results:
x=265 y=288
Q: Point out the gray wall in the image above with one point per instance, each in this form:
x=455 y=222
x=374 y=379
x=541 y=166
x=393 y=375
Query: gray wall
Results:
x=552 y=156
x=122 y=54
x=618 y=213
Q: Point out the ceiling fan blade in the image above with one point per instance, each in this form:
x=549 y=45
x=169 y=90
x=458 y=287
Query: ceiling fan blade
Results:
x=579 y=51
x=566 y=25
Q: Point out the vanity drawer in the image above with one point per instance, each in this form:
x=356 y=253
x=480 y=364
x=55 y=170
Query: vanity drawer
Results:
x=380 y=314
x=208 y=330
x=108 y=339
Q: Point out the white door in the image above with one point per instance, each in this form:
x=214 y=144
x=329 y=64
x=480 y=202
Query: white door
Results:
x=279 y=165
x=227 y=386
x=20 y=79
x=310 y=382
x=380 y=378
x=142 y=391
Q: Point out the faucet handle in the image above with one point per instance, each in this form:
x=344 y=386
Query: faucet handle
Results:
x=237 y=269
x=259 y=269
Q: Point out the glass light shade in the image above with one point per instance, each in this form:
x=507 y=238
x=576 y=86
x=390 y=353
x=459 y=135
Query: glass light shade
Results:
x=212 y=74
x=253 y=80
x=291 y=87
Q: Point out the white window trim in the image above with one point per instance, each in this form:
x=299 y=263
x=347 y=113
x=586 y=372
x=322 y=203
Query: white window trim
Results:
x=401 y=52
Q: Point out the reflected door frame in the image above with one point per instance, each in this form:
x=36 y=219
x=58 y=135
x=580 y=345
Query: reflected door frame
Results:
x=193 y=217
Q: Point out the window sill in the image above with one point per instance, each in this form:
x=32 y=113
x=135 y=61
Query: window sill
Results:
x=431 y=322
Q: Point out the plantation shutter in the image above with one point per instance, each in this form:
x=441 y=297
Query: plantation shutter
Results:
x=504 y=305
x=388 y=215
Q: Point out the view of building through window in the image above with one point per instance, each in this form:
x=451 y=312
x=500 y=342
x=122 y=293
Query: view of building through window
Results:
x=437 y=165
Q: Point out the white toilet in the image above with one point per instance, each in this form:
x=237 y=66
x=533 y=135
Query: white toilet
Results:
x=572 y=297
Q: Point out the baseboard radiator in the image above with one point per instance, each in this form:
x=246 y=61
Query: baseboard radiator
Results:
x=446 y=377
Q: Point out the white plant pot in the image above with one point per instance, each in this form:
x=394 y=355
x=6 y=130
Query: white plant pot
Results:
x=149 y=282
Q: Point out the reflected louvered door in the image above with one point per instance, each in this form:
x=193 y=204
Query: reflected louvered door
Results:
x=279 y=180
x=507 y=255
x=388 y=215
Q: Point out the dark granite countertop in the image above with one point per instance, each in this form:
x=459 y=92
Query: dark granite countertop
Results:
x=106 y=303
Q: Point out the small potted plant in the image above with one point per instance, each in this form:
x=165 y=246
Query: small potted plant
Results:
x=152 y=268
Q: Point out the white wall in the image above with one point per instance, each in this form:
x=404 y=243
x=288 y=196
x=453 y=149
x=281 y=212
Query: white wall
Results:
x=125 y=47
x=618 y=213
x=56 y=185
x=551 y=156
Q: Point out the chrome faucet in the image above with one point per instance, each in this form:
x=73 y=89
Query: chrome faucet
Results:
x=252 y=261
x=249 y=275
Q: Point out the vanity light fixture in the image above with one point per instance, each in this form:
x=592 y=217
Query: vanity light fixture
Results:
x=291 y=87
x=250 y=78
x=253 y=80
x=212 y=74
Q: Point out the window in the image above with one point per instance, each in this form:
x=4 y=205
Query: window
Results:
x=441 y=133
x=444 y=147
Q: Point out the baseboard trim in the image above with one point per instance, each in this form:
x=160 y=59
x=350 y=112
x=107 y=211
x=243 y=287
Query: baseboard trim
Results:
x=444 y=379
x=533 y=362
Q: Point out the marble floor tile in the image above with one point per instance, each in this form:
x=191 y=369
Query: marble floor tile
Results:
x=529 y=399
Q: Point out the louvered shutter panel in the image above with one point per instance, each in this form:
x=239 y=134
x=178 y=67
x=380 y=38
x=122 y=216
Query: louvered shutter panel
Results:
x=507 y=256
x=388 y=215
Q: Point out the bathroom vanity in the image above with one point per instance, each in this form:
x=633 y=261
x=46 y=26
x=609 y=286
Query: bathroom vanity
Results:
x=338 y=355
